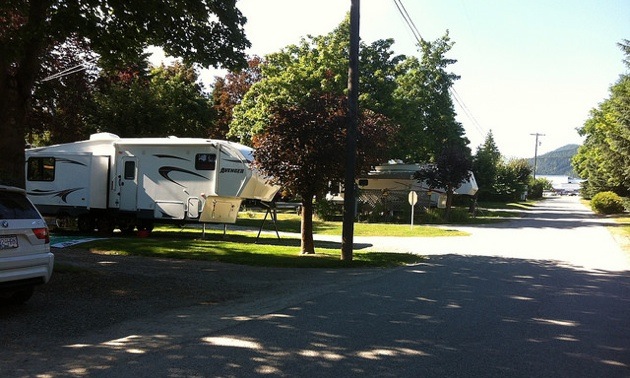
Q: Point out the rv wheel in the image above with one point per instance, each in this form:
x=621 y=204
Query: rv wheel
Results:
x=86 y=223
x=64 y=221
x=105 y=226
x=126 y=226
x=128 y=229
x=145 y=226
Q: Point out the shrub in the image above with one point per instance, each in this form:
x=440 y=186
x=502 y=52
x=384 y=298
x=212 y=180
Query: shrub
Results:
x=538 y=186
x=325 y=210
x=607 y=203
x=438 y=216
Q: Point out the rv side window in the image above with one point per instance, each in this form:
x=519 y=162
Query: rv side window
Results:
x=205 y=162
x=41 y=169
x=130 y=170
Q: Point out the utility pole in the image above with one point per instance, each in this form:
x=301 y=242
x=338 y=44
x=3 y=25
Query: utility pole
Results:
x=536 y=152
x=347 y=235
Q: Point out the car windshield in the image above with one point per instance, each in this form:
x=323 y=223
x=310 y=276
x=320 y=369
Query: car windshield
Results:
x=16 y=206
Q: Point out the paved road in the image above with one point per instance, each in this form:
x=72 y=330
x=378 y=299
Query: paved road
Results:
x=519 y=299
x=559 y=228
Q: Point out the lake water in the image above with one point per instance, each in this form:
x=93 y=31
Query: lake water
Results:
x=563 y=182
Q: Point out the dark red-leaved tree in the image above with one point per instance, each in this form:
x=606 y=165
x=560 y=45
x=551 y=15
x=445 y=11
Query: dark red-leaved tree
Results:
x=63 y=96
x=451 y=168
x=229 y=91
x=303 y=149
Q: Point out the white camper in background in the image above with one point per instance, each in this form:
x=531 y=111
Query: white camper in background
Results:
x=393 y=181
x=107 y=182
x=399 y=176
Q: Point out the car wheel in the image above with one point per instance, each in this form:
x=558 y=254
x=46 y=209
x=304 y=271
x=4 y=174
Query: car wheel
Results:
x=22 y=295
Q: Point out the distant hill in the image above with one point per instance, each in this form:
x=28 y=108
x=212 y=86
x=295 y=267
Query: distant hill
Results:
x=556 y=162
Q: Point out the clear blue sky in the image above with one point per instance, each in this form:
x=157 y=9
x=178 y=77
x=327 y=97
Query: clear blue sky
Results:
x=535 y=66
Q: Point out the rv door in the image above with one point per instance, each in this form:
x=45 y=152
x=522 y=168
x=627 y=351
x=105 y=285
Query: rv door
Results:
x=128 y=181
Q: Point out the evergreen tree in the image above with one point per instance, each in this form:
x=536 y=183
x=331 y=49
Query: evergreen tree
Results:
x=424 y=108
x=485 y=165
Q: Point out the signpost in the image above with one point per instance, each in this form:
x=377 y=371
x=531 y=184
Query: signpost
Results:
x=413 y=199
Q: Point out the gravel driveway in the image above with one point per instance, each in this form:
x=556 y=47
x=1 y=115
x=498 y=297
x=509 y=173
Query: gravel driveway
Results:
x=93 y=292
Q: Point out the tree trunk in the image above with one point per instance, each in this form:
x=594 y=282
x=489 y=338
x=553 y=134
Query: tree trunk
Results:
x=17 y=79
x=12 y=119
x=449 y=203
x=308 y=245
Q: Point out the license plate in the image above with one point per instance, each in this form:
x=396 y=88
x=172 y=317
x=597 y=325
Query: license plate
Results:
x=8 y=241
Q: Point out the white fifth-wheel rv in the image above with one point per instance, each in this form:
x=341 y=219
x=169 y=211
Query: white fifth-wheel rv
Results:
x=108 y=182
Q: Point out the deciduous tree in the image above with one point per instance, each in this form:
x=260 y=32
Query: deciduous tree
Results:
x=450 y=169
x=303 y=149
x=229 y=92
x=180 y=96
x=209 y=32
x=316 y=64
x=512 y=179
x=63 y=96
x=604 y=158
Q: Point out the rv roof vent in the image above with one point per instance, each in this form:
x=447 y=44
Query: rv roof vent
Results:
x=103 y=136
x=172 y=137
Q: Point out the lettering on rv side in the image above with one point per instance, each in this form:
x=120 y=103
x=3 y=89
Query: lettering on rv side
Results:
x=232 y=170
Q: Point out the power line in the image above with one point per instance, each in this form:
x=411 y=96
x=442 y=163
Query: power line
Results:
x=405 y=15
x=416 y=33
x=467 y=112
x=69 y=71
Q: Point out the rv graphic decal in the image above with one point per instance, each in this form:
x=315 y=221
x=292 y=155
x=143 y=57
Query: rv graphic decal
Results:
x=232 y=170
x=68 y=161
x=63 y=194
x=165 y=215
x=166 y=171
x=233 y=161
x=237 y=161
x=162 y=156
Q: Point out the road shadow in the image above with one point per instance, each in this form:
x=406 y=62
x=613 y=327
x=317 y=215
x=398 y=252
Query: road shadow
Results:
x=453 y=316
x=556 y=213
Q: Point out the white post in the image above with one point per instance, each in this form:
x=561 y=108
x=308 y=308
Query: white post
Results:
x=412 y=210
x=413 y=199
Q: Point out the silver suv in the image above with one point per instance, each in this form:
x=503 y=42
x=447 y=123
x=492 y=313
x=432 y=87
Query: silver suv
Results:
x=25 y=258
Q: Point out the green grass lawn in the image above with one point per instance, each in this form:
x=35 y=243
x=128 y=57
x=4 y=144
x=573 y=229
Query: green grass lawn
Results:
x=238 y=247
x=291 y=223
x=623 y=229
x=240 y=244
